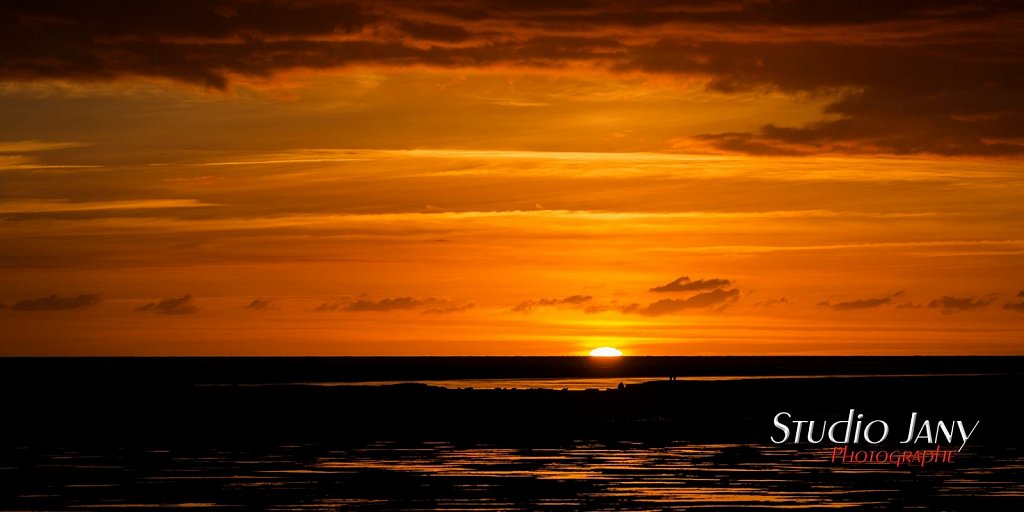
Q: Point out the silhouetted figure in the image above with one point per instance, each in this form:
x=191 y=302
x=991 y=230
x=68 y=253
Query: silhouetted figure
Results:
x=621 y=386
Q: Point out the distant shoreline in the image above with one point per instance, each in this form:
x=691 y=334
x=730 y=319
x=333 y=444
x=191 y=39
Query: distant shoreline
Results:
x=593 y=383
x=46 y=371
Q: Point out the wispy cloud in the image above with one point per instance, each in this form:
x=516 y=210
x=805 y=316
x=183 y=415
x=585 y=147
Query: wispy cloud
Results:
x=851 y=305
x=771 y=303
x=261 y=304
x=184 y=305
x=950 y=305
x=56 y=303
x=702 y=300
x=530 y=305
x=425 y=305
x=684 y=284
x=1016 y=306
x=385 y=304
x=446 y=308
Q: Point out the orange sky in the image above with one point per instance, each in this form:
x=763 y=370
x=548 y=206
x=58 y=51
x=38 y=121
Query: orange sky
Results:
x=514 y=178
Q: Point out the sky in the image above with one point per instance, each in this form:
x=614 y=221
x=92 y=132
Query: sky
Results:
x=492 y=177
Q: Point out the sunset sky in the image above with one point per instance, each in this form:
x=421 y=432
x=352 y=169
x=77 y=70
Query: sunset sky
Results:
x=511 y=177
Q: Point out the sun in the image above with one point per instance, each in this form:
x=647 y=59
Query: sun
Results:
x=605 y=352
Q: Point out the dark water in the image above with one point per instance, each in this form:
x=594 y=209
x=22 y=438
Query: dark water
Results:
x=443 y=476
x=84 y=434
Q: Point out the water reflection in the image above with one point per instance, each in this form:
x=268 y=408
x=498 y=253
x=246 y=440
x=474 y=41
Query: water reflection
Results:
x=445 y=476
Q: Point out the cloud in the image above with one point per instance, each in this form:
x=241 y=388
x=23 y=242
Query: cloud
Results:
x=781 y=301
x=427 y=31
x=572 y=300
x=56 y=303
x=712 y=293
x=887 y=64
x=260 y=304
x=1016 y=306
x=449 y=308
x=701 y=300
x=857 y=304
x=426 y=305
x=683 y=284
x=950 y=305
x=385 y=304
x=104 y=40
x=183 y=305
x=600 y=308
x=891 y=98
x=330 y=306
x=852 y=305
x=909 y=305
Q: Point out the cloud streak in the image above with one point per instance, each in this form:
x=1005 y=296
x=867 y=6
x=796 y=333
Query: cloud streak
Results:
x=51 y=206
x=29 y=146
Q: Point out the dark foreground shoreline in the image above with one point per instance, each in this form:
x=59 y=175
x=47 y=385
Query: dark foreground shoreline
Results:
x=138 y=434
x=158 y=401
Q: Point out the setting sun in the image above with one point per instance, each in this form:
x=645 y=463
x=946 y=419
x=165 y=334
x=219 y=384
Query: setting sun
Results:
x=605 y=352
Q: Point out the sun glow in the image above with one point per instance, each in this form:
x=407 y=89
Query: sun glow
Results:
x=605 y=352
